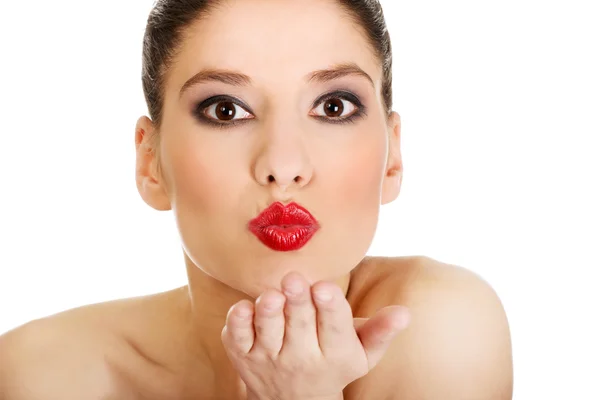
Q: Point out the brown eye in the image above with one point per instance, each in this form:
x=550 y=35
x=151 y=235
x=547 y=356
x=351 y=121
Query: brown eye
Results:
x=335 y=108
x=226 y=111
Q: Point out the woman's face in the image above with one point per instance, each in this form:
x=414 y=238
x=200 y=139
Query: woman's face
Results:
x=274 y=135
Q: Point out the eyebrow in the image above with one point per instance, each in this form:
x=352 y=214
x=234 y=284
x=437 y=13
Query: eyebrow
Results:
x=239 y=79
x=338 y=71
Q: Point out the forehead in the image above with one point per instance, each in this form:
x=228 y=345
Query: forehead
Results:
x=274 y=41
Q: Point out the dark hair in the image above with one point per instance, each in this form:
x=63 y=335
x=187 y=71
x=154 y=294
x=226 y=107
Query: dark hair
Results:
x=169 y=19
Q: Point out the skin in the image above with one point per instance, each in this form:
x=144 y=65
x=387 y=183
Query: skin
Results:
x=303 y=343
x=189 y=342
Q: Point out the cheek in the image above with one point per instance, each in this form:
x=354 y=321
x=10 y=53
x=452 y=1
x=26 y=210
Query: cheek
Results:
x=359 y=180
x=353 y=194
x=192 y=177
x=362 y=181
x=200 y=179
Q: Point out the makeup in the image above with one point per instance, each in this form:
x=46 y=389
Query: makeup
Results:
x=284 y=228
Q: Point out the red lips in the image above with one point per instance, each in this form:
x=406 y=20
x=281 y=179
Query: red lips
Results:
x=284 y=228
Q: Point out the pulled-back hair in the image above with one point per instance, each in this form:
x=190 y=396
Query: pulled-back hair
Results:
x=168 y=20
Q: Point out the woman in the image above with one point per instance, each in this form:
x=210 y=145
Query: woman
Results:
x=272 y=138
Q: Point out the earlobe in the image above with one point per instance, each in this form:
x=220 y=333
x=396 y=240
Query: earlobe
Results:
x=150 y=184
x=392 y=180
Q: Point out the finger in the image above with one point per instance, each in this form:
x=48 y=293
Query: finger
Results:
x=238 y=334
x=378 y=332
x=269 y=322
x=358 y=322
x=334 y=319
x=300 y=316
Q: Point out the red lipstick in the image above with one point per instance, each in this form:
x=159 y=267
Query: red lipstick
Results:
x=284 y=228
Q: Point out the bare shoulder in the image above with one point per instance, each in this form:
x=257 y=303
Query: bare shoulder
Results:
x=54 y=357
x=80 y=353
x=458 y=344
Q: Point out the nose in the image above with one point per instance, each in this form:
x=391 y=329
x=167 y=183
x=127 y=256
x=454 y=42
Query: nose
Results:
x=283 y=160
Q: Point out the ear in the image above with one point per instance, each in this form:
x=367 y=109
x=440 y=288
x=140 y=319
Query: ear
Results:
x=148 y=179
x=392 y=179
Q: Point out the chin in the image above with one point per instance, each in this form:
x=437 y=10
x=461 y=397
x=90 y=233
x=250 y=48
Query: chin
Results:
x=255 y=279
x=255 y=268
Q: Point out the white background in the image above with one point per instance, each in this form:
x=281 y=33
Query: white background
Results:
x=500 y=107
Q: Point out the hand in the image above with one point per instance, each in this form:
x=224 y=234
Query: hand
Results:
x=287 y=347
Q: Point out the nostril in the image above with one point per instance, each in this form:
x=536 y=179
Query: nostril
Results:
x=297 y=179
x=271 y=178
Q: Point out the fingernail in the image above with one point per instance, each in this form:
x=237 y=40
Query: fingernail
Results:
x=244 y=312
x=273 y=304
x=323 y=295
x=293 y=288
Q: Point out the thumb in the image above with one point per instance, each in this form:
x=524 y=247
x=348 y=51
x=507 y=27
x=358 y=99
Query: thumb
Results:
x=377 y=333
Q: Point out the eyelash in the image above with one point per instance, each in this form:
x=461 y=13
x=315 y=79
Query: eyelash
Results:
x=361 y=111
